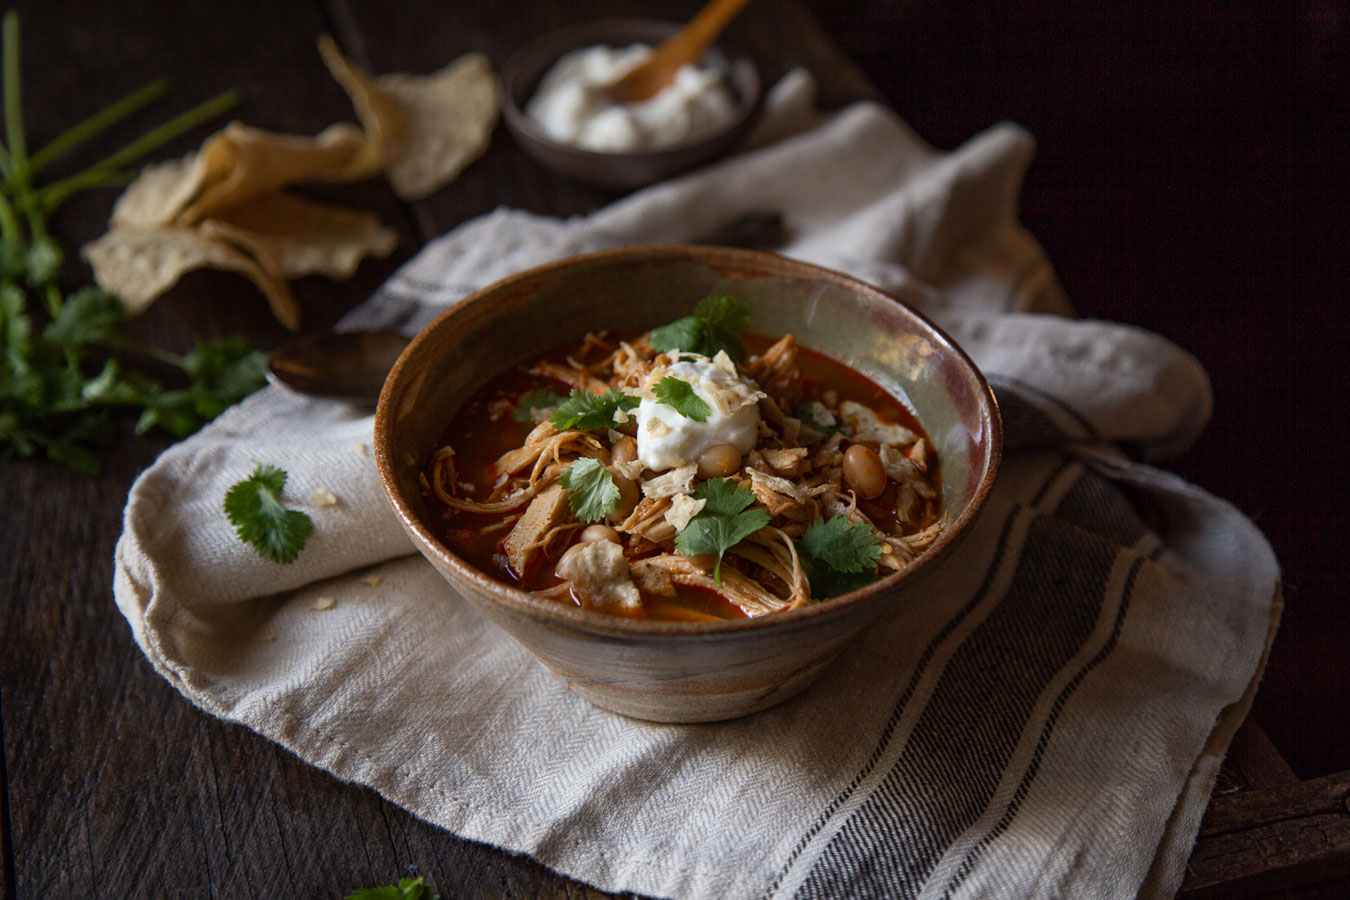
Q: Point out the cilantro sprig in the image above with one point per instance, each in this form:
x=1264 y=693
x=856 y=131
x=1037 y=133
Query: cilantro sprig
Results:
x=717 y=324
x=531 y=400
x=64 y=370
x=254 y=508
x=591 y=491
x=679 y=395
x=838 y=556
x=592 y=412
x=722 y=523
x=406 y=889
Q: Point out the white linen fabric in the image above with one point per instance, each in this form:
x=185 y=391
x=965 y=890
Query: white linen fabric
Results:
x=1048 y=722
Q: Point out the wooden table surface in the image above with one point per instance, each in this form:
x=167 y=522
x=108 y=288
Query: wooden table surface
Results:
x=114 y=785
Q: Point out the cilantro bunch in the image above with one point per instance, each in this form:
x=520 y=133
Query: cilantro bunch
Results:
x=64 y=373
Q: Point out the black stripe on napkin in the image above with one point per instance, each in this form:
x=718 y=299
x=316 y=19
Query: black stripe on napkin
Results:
x=1095 y=504
x=956 y=755
x=1029 y=776
x=1024 y=423
x=1037 y=398
x=1000 y=548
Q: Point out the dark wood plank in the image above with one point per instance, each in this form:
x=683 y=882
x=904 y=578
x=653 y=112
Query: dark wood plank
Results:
x=1256 y=841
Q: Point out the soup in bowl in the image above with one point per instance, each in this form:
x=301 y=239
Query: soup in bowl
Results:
x=684 y=477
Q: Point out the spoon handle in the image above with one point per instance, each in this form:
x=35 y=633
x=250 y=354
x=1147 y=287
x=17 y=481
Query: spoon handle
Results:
x=684 y=46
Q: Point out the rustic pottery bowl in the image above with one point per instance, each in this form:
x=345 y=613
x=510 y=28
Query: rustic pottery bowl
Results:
x=618 y=171
x=683 y=671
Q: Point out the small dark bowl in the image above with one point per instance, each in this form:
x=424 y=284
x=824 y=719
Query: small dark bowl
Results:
x=619 y=171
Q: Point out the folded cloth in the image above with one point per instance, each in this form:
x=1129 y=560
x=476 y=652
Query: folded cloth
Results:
x=1048 y=720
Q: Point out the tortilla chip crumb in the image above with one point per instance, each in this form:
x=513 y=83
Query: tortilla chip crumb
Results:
x=362 y=449
x=269 y=638
x=323 y=603
x=372 y=580
x=323 y=497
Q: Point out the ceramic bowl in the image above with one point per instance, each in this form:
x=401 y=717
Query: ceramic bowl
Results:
x=521 y=74
x=682 y=671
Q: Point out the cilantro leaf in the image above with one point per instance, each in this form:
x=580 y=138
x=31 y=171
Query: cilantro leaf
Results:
x=406 y=889
x=591 y=412
x=807 y=413
x=89 y=316
x=223 y=373
x=254 y=508
x=530 y=400
x=679 y=396
x=591 y=491
x=42 y=262
x=717 y=324
x=722 y=523
x=724 y=313
x=838 y=556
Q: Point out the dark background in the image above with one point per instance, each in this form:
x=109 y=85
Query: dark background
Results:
x=1190 y=178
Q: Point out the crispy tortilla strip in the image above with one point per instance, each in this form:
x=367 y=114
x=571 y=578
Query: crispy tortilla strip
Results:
x=425 y=129
x=304 y=237
x=138 y=266
x=240 y=163
x=158 y=194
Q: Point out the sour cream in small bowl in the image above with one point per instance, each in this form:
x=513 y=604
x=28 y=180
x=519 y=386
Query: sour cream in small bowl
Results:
x=554 y=104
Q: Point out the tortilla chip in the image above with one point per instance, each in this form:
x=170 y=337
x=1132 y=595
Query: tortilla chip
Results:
x=428 y=128
x=158 y=194
x=241 y=163
x=139 y=266
x=304 y=237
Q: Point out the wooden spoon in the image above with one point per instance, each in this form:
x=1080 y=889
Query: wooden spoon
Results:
x=685 y=46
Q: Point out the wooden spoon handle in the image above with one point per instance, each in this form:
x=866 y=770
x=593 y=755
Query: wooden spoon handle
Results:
x=686 y=45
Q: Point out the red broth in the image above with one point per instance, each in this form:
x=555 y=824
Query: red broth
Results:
x=484 y=429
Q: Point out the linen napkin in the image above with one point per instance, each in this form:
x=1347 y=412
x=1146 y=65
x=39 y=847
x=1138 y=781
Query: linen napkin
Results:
x=1046 y=720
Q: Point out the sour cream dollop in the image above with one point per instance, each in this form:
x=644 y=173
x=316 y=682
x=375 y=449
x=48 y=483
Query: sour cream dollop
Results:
x=572 y=107
x=666 y=439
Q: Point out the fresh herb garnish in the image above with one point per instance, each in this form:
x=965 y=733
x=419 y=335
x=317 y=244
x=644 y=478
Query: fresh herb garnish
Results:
x=60 y=382
x=722 y=523
x=717 y=324
x=591 y=491
x=807 y=413
x=838 y=556
x=406 y=889
x=531 y=400
x=254 y=508
x=592 y=412
x=679 y=396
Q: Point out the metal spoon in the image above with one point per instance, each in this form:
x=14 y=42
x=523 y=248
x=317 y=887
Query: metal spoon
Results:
x=352 y=365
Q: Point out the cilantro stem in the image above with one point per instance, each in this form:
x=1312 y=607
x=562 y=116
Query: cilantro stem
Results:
x=17 y=144
x=9 y=223
x=156 y=353
x=55 y=193
x=99 y=121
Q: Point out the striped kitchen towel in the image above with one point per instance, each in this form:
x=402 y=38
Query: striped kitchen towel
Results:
x=1046 y=720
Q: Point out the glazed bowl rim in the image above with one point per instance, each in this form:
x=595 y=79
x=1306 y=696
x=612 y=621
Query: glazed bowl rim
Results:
x=521 y=602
